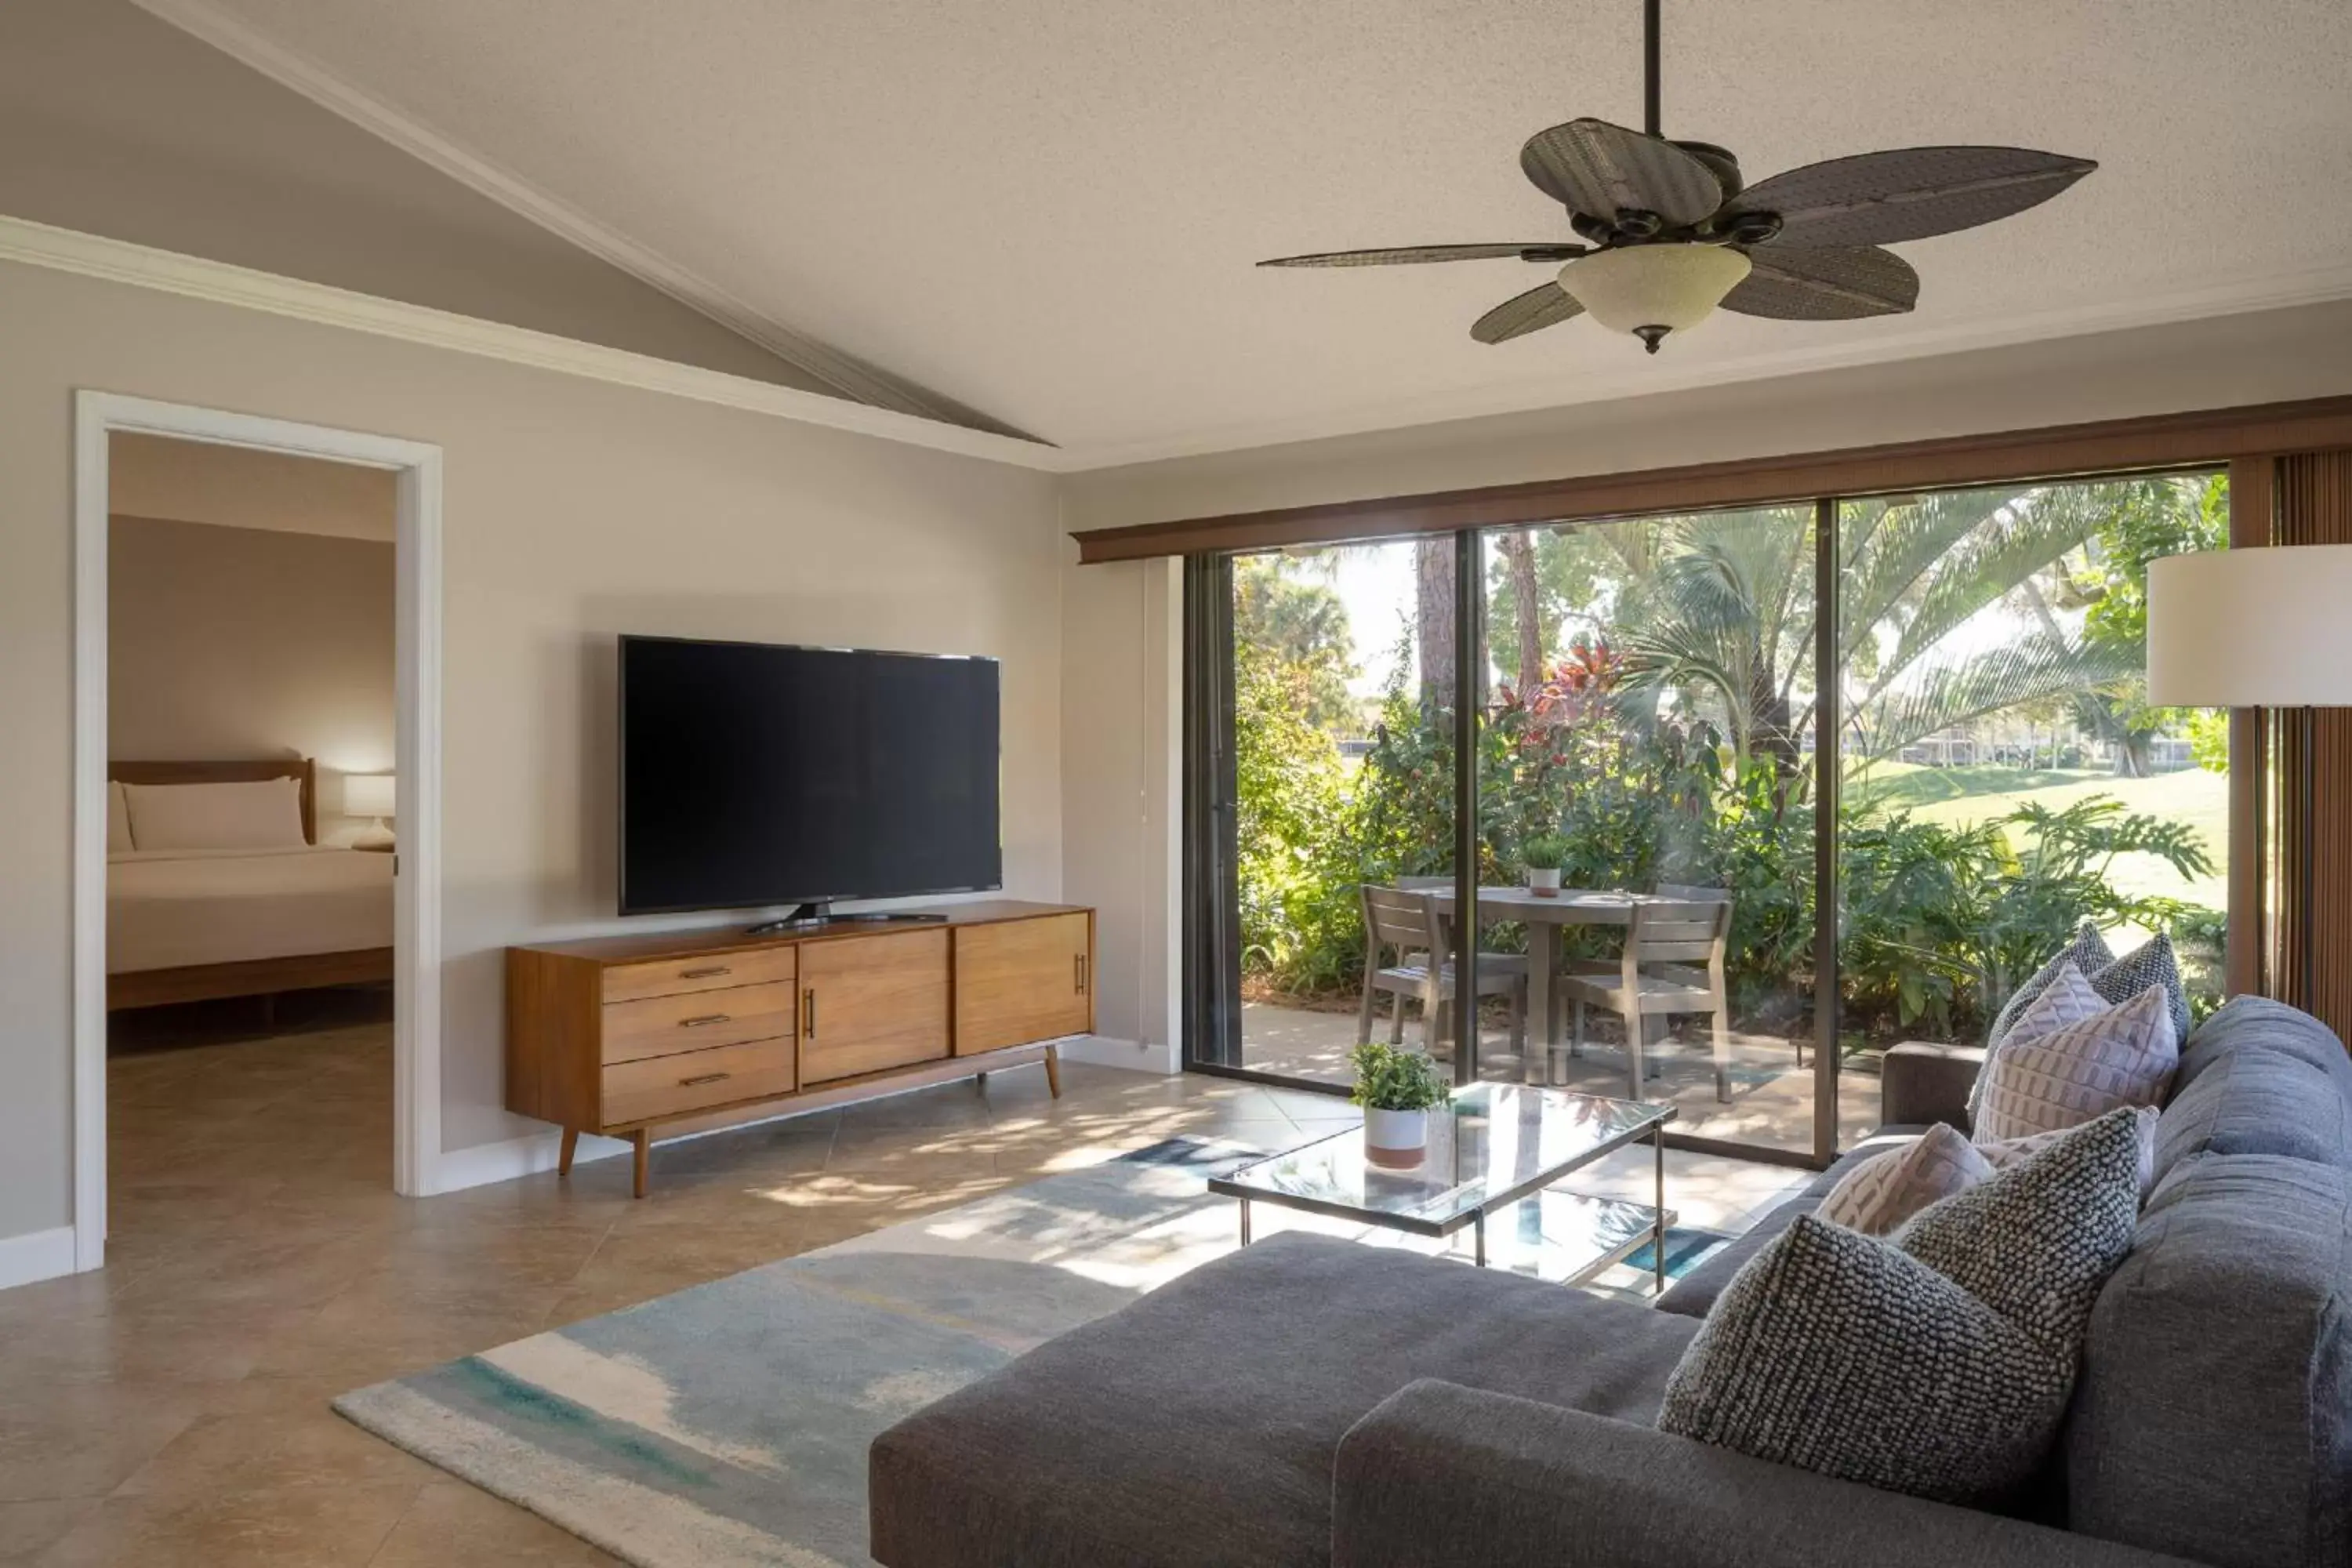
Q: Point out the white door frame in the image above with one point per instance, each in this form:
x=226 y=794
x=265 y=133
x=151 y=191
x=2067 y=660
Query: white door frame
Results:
x=416 y=896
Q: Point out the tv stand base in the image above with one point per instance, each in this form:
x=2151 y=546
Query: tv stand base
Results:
x=817 y=914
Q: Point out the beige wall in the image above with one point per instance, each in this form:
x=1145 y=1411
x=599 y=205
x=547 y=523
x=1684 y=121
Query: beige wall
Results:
x=236 y=487
x=115 y=122
x=242 y=642
x=574 y=510
x=2257 y=358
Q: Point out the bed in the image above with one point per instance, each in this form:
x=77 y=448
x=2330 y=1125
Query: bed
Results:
x=188 y=920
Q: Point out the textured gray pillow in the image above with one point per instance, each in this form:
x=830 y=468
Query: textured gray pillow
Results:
x=2153 y=965
x=1938 y=1363
x=2088 y=951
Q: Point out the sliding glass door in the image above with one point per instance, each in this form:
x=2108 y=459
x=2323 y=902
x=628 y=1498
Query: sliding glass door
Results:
x=1811 y=780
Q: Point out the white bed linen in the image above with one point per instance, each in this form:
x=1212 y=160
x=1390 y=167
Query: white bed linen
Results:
x=167 y=907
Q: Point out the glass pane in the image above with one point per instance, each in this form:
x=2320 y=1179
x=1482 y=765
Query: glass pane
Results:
x=1649 y=751
x=2005 y=781
x=1343 y=748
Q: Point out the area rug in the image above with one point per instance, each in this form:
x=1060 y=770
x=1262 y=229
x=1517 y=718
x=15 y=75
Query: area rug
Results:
x=727 y=1425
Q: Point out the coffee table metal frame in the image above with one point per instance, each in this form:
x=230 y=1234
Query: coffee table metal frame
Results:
x=1473 y=1217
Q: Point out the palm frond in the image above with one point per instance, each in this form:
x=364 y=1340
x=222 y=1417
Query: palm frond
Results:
x=1946 y=693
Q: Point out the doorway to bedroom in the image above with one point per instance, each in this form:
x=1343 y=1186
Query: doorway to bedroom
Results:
x=255 y=1048
x=252 y=815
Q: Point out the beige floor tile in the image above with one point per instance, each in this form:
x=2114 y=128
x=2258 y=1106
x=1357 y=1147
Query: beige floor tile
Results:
x=30 y=1529
x=452 y=1524
x=300 y=1527
x=84 y=1439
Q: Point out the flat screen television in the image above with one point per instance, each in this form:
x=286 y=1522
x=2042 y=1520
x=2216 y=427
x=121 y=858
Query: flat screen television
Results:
x=755 y=774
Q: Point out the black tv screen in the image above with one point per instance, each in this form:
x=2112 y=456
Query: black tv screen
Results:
x=754 y=775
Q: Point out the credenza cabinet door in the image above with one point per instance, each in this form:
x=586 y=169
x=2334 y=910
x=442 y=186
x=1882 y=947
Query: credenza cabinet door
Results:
x=871 y=1003
x=1023 y=981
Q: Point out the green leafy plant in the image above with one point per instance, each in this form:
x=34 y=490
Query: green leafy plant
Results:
x=1545 y=852
x=1395 y=1078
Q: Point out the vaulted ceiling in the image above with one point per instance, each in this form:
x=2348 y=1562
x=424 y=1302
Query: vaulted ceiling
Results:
x=1047 y=210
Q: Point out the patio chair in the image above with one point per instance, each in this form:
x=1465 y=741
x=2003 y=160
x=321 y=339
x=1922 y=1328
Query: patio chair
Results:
x=1407 y=919
x=1653 y=977
x=1684 y=892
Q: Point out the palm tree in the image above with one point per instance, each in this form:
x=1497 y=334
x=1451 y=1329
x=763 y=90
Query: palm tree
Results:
x=1721 y=604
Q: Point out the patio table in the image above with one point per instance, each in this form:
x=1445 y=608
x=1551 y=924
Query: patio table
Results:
x=1544 y=917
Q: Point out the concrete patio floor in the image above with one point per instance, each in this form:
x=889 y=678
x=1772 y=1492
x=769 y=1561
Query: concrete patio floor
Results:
x=1772 y=1102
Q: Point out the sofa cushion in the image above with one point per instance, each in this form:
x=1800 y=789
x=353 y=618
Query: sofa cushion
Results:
x=1696 y=1291
x=2213 y=1418
x=2259 y=1078
x=1198 y=1425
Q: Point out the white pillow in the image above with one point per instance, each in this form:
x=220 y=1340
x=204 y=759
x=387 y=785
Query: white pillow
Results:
x=2080 y=1071
x=1877 y=1196
x=266 y=813
x=118 y=819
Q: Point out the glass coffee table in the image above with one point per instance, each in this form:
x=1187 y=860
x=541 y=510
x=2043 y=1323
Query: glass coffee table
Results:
x=1498 y=1144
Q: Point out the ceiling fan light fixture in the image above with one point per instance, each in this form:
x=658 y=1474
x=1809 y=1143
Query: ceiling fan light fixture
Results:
x=1650 y=291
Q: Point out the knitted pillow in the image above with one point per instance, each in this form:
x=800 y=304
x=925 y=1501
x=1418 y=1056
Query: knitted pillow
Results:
x=2155 y=964
x=2123 y=1056
x=1881 y=1192
x=1939 y=1363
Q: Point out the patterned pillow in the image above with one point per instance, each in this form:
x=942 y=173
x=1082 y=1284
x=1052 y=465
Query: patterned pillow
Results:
x=2123 y=1056
x=1938 y=1363
x=2154 y=964
x=1880 y=1194
x=2087 y=954
x=2008 y=1152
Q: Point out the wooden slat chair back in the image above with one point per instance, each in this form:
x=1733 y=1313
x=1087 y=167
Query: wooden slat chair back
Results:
x=1654 y=975
x=1408 y=921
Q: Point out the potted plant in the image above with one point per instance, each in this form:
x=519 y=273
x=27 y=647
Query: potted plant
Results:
x=1543 y=855
x=1397 y=1088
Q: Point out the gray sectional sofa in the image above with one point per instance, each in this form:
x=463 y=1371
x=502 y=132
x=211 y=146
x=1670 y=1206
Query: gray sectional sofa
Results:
x=1309 y=1400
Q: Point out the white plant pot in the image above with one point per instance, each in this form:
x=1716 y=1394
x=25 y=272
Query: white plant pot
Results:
x=1544 y=881
x=1395 y=1138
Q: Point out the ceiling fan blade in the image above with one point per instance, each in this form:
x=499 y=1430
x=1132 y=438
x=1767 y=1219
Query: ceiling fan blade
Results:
x=1598 y=169
x=1877 y=198
x=1824 y=283
x=1545 y=305
x=1531 y=250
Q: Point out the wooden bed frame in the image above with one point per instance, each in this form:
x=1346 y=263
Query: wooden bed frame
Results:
x=247 y=977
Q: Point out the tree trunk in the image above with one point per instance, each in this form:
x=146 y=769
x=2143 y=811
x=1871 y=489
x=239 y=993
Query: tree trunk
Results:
x=1434 y=564
x=1519 y=550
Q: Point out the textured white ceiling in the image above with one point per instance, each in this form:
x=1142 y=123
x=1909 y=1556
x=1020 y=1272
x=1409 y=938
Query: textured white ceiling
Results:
x=1047 y=210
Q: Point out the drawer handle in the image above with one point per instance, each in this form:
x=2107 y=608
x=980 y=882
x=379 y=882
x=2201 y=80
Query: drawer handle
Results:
x=703 y=974
x=1078 y=964
x=701 y=1078
x=698 y=1023
x=808 y=1013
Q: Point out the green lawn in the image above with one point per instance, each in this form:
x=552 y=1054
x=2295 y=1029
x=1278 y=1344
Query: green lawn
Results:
x=1962 y=795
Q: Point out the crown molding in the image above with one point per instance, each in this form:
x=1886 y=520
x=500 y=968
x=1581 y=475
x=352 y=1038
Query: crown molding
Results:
x=220 y=283
x=242 y=42
x=2279 y=291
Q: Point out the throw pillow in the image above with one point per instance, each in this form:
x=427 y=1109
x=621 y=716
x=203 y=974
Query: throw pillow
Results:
x=2008 y=1152
x=2155 y=964
x=2123 y=1056
x=1938 y=1363
x=2086 y=954
x=1880 y=1194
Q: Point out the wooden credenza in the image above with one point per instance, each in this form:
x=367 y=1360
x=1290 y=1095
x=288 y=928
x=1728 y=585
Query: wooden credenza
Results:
x=684 y=1031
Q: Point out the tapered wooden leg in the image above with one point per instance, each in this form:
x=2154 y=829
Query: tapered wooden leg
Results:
x=571 y=1143
x=1054 y=1071
x=644 y=1141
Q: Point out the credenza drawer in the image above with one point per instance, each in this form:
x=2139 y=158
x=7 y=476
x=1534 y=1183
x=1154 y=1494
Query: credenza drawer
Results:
x=680 y=976
x=698 y=1020
x=694 y=1080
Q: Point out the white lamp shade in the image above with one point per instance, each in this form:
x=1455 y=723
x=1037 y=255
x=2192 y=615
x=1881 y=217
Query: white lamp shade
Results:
x=368 y=794
x=2269 y=628
x=1671 y=286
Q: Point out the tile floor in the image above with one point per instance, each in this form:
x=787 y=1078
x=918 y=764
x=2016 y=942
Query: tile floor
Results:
x=172 y=1408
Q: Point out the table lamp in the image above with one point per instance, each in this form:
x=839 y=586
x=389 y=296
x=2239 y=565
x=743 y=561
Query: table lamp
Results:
x=369 y=796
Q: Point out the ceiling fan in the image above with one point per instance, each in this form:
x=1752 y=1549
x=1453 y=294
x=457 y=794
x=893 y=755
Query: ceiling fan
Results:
x=1673 y=232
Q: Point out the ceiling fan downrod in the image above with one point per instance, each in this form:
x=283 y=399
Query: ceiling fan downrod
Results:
x=1650 y=116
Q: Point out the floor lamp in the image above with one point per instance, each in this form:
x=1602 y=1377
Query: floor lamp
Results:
x=2269 y=628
